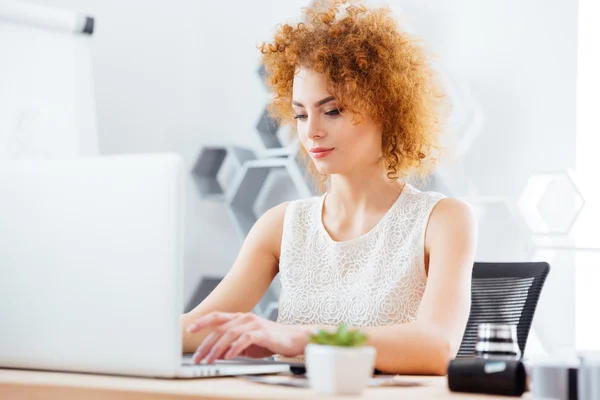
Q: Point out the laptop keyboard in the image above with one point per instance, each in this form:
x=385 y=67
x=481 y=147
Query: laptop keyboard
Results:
x=187 y=360
x=200 y=370
x=236 y=366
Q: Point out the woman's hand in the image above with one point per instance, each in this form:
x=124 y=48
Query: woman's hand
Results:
x=246 y=334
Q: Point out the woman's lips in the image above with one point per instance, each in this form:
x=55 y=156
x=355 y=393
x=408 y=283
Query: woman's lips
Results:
x=320 y=152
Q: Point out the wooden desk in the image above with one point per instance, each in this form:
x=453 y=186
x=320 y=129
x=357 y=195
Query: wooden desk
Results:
x=19 y=384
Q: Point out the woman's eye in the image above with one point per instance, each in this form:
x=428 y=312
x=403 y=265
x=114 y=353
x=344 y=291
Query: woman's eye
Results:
x=332 y=113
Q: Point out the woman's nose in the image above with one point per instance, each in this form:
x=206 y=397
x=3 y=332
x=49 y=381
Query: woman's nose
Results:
x=314 y=129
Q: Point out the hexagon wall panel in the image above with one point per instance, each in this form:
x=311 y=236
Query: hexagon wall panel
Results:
x=267 y=129
x=208 y=164
x=550 y=203
x=249 y=183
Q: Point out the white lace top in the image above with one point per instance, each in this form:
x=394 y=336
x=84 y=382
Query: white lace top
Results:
x=375 y=279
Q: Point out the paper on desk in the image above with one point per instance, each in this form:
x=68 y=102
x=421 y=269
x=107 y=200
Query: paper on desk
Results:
x=302 y=382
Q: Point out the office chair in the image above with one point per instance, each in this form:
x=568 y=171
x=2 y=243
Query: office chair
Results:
x=505 y=293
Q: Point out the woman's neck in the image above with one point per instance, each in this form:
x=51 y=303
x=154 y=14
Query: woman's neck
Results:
x=363 y=190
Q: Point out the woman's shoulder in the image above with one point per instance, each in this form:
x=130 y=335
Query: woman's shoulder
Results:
x=270 y=226
x=442 y=206
x=275 y=216
x=415 y=192
x=437 y=208
x=452 y=215
x=420 y=201
x=303 y=206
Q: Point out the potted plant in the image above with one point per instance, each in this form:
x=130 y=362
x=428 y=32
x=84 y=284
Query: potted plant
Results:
x=339 y=362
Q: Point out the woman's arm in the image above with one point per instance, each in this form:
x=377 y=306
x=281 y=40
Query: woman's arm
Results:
x=427 y=345
x=249 y=278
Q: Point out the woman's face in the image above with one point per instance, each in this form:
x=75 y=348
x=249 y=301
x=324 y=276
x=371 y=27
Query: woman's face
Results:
x=334 y=143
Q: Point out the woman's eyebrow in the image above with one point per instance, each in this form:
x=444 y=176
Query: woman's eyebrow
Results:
x=317 y=104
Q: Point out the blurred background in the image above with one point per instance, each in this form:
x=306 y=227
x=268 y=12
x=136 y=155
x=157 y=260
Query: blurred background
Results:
x=183 y=76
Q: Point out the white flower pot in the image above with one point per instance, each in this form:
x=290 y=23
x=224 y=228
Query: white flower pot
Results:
x=339 y=370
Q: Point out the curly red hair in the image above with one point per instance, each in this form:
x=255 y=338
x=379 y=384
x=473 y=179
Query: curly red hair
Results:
x=370 y=67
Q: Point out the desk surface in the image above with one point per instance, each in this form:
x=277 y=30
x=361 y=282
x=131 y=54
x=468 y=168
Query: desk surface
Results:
x=20 y=384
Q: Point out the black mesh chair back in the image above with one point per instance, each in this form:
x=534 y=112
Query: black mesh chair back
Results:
x=505 y=293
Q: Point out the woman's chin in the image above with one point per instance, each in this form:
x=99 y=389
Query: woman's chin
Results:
x=327 y=166
x=327 y=169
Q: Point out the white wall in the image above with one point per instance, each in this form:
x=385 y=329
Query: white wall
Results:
x=178 y=75
x=175 y=76
x=586 y=231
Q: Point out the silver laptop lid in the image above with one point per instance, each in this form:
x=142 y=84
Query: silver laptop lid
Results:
x=91 y=274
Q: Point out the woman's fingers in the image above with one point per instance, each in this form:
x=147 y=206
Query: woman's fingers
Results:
x=225 y=341
x=244 y=341
x=208 y=343
x=211 y=319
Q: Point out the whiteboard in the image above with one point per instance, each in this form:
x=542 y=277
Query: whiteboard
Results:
x=47 y=107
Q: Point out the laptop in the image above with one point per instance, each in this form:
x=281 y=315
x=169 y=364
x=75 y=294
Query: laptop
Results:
x=91 y=268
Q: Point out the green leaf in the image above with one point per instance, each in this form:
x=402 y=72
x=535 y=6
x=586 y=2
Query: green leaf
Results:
x=344 y=337
x=341 y=337
x=359 y=338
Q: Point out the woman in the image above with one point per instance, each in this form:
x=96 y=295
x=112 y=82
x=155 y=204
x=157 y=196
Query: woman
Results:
x=373 y=251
